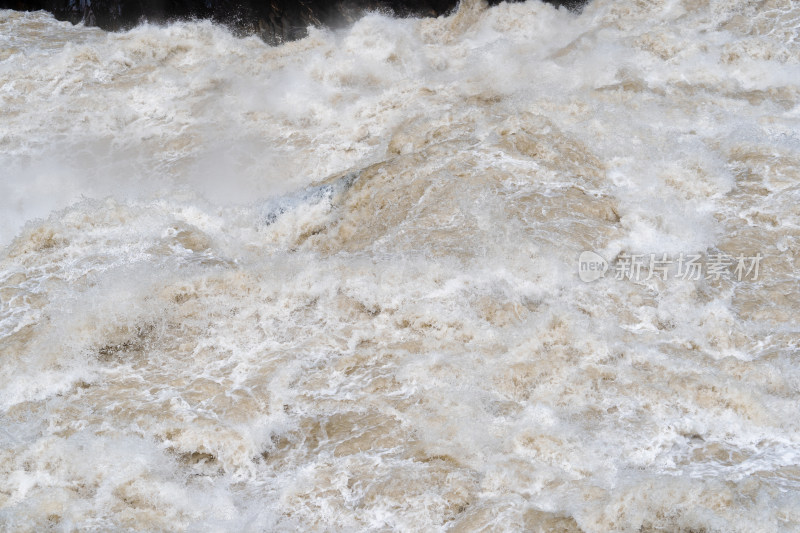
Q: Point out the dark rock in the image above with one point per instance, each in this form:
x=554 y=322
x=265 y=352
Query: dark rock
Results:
x=274 y=20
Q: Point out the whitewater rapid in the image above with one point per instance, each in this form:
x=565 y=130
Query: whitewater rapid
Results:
x=334 y=285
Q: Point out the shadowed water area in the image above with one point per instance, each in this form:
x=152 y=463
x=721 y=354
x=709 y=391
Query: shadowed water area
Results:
x=275 y=21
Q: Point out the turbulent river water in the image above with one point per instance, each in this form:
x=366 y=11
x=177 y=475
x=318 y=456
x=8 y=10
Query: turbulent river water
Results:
x=334 y=284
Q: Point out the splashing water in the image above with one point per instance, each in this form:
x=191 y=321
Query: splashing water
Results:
x=333 y=285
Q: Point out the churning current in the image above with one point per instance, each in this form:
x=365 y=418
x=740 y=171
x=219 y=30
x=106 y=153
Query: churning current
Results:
x=514 y=269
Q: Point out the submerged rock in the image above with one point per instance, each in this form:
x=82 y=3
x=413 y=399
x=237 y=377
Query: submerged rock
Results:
x=275 y=21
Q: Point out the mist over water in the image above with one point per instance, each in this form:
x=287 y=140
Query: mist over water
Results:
x=333 y=285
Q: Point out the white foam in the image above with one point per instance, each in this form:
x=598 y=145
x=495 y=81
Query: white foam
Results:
x=204 y=324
